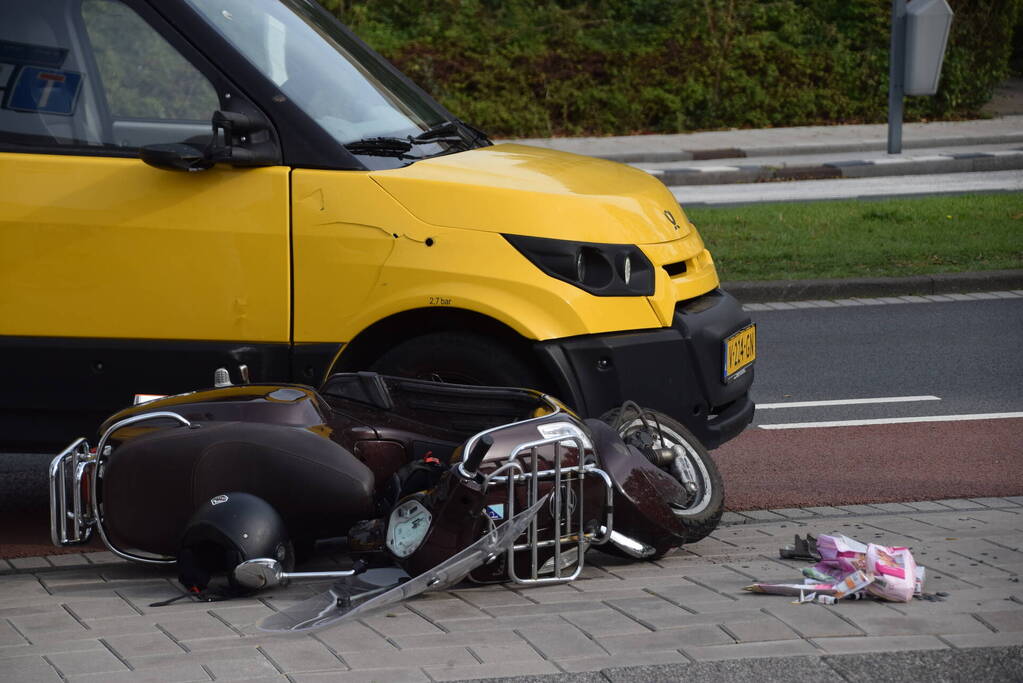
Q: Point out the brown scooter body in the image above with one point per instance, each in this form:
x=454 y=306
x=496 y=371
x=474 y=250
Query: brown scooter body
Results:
x=328 y=459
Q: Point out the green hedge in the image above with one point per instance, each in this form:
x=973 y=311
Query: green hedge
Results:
x=568 y=67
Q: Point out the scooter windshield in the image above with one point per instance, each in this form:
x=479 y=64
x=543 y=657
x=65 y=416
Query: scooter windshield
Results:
x=344 y=87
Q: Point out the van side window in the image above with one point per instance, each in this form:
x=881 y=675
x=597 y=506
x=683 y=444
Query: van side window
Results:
x=115 y=88
x=143 y=76
x=47 y=97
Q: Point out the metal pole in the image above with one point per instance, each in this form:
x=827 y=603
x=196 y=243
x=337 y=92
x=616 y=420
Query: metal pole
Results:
x=896 y=76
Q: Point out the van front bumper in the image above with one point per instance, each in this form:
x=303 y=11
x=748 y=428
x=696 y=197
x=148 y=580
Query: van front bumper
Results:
x=676 y=370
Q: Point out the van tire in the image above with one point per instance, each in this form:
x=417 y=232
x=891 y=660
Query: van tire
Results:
x=458 y=358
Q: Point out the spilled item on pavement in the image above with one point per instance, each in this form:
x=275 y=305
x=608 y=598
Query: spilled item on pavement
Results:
x=848 y=568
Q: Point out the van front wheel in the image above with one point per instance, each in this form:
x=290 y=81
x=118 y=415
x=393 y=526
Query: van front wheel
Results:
x=458 y=358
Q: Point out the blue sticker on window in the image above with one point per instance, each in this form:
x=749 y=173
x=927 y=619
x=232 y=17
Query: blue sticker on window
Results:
x=45 y=91
x=495 y=511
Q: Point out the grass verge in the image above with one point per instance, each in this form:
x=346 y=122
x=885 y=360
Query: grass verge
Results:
x=860 y=238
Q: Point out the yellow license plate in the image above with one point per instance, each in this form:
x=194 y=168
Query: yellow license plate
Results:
x=740 y=352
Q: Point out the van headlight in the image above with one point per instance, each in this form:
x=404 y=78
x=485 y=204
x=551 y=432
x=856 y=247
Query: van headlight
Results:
x=600 y=269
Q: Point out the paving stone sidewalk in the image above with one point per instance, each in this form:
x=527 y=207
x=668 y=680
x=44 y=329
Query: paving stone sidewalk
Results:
x=88 y=617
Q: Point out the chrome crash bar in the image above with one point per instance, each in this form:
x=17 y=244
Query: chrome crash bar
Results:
x=74 y=501
x=520 y=469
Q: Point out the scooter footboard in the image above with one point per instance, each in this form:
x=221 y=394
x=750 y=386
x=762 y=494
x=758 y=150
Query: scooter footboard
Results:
x=557 y=465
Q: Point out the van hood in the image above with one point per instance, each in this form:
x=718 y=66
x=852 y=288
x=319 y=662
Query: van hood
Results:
x=522 y=190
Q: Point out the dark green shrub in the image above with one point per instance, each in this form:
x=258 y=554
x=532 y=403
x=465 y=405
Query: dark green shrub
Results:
x=556 y=67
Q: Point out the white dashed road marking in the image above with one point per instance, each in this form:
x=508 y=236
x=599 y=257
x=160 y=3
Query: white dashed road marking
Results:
x=893 y=420
x=846 y=402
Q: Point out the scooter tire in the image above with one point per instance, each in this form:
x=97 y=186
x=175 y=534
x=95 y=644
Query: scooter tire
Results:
x=700 y=519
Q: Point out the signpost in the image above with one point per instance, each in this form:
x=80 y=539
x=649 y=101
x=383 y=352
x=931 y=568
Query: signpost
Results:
x=919 y=35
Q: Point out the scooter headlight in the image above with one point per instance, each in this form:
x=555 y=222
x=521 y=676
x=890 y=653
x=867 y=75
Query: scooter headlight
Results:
x=407 y=528
x=600 y=269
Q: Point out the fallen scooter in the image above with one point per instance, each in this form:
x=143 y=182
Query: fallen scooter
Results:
x=427 y=483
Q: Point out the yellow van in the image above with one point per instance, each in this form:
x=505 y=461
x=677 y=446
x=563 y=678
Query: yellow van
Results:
x=194 y=184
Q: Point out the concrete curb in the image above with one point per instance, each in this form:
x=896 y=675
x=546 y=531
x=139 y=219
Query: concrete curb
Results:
x=867 y=510
x=973 y=162
x=968 y=664
x=800 y=149
x=760 y=291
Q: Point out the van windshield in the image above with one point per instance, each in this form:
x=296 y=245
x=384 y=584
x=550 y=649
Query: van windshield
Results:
x=345 y=88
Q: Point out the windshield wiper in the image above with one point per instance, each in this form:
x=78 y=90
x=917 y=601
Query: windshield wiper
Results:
x=478 y=136
x=381 y=147
x=455 y=128
x=442 y=132
x=450 y=132
x=395 y=147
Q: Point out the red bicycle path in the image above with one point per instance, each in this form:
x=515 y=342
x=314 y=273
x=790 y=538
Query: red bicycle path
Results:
x=890 y=463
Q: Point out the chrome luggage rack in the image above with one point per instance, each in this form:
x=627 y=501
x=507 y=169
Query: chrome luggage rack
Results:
x=520 y=468
x=75 y=508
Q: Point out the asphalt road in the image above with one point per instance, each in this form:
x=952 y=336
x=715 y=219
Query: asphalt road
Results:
x=967 y=353
x=918 y=375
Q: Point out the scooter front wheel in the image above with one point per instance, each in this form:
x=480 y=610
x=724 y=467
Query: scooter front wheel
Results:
x=700 y=509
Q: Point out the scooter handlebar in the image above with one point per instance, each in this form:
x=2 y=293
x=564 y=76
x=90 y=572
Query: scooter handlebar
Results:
x=471 y=465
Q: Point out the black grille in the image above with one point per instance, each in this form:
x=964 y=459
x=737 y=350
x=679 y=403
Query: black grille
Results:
x=675 y=269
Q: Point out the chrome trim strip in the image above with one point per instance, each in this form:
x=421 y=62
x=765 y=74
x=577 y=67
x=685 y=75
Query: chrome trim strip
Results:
x=300 y=576
x=631 y=546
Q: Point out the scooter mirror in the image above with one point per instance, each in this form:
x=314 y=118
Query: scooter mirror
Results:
x=261 y=572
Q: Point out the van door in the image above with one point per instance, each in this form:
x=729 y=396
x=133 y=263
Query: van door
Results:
x=117 y=277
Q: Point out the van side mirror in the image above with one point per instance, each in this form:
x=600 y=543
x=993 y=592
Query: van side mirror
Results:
x=246 y=140
x=237 y=139
x=178 y=156
x=234 y=124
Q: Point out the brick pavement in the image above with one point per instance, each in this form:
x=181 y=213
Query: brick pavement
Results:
x=90 y=620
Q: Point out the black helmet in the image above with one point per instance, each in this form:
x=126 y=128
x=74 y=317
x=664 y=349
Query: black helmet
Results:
x=225 y=531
